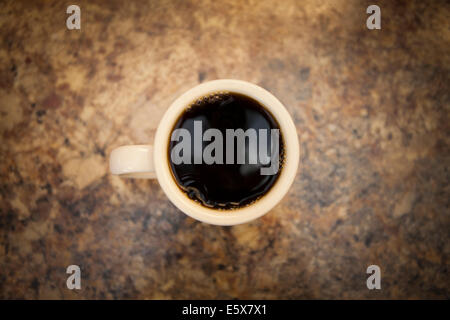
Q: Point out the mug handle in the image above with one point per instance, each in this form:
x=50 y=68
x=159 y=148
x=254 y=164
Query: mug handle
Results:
x=134 y=161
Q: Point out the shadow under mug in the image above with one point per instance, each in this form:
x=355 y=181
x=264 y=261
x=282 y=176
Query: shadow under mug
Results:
x=149 y=162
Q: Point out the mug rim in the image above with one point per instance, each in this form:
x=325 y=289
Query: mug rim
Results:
x=227 y=216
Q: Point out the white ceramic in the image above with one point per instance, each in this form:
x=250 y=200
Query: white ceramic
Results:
x=146 y=161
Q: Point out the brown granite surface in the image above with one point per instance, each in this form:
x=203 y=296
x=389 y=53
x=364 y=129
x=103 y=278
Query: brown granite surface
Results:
x=371 y=110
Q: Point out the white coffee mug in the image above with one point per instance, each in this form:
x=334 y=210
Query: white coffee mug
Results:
x=146 y=161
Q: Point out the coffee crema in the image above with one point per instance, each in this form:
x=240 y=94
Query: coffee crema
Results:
x=226 y=150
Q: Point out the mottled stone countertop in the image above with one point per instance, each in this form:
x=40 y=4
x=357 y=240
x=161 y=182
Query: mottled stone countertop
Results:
x=371 y=109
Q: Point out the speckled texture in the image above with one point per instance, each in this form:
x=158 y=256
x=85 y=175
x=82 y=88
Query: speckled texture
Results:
x=372 y=115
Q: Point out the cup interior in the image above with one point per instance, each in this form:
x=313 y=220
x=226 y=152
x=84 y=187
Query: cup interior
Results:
x=242 y=214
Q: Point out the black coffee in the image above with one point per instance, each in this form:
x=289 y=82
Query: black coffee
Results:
x=229 y=166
